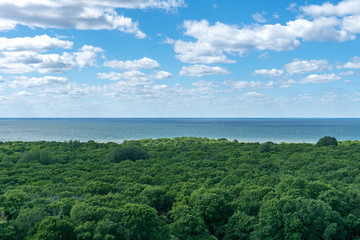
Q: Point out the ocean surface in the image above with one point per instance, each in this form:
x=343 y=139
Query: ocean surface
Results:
x=119 y=129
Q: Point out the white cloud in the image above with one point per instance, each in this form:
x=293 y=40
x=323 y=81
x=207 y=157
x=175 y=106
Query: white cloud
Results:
x=319 y=79
x=286 y=83
x=213 y=42
x=269 y=72
x=238 y=85
x=23 y=94
x=199 y=52
x=70 y=89
x=26 y=82
x=84 y=15
x=130 y=75
x=351 y=23
x=347 y=73
x=253 y=94
x=162 y=75
x=292 y=7
x=343 y=8
x=306 y=66
x=28 y=61
x=135 y=85
x=202 y=70
x=7 y=25
x=347 y=12
x=133 y=65
x=28 y=54
x=259 y=17
x=135 y=76
x=87 y=57
x=204 y=88
x=204 y=84
x=37 y=44
x=353 y=64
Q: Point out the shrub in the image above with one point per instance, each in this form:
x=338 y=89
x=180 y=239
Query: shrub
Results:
x=41 y=156
x=123 y=153
x=327 y=141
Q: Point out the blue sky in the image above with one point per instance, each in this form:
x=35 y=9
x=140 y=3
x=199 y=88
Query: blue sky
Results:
x=179 y=58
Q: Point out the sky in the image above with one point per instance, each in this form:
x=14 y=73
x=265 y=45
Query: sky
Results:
x=179 y=58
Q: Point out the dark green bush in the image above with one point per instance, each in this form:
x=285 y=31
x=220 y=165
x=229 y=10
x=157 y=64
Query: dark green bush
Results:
x=131 y=153
x=327 y=141
x=41 y=156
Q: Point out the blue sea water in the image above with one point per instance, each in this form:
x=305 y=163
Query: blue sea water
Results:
x=119 y=129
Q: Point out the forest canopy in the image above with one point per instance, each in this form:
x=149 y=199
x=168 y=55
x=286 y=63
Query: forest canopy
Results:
x=179 y=189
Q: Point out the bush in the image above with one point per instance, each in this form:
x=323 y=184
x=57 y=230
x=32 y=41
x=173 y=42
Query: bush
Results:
x=327 y=141
x=123 y=153
x=41 y=156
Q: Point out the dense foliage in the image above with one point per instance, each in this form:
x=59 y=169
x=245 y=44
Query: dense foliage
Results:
x=327 y=141
x=179 y=189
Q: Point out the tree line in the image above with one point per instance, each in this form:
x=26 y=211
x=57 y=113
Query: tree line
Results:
x=179 y=189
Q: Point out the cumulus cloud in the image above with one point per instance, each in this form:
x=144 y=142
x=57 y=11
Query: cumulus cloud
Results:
x=306 y=66
x=343 y=8
x=213 y=42
x=202 y=70
x=28 y=61
x=135 y=76
x=130 y=75
x=87 y=56
x=84 y=15
x=204 y=87
x=29 y=54
x=27 y=82
x=353 y=64
x=269 y=72
x=319 y=79
x=162 y=75
x=239 y=85
x=7 y=25
x=128 y=65
x=347 y=12
x=38 y=43
x=135 y=84
x=351 y=23
x=253 y=94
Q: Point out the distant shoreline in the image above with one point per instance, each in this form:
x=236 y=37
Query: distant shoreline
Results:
x=102 y=130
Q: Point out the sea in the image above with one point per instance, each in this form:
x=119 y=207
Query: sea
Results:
x=295 y=130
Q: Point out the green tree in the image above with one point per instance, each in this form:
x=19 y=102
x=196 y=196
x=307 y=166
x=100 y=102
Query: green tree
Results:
x=240 y=226
x=26 y=221
x=156 y=197
x=12 y=201
x=41 y=156
x=298 y=218
x=214 y=208
x=187 y=224
x=52 y=228
x=123 y=153
x=138 y=221
x=6 y=231
x=327 y=141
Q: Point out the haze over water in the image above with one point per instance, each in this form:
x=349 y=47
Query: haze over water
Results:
x=116 y=130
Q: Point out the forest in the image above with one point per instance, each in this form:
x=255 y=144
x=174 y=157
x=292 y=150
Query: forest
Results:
x=179 y=189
